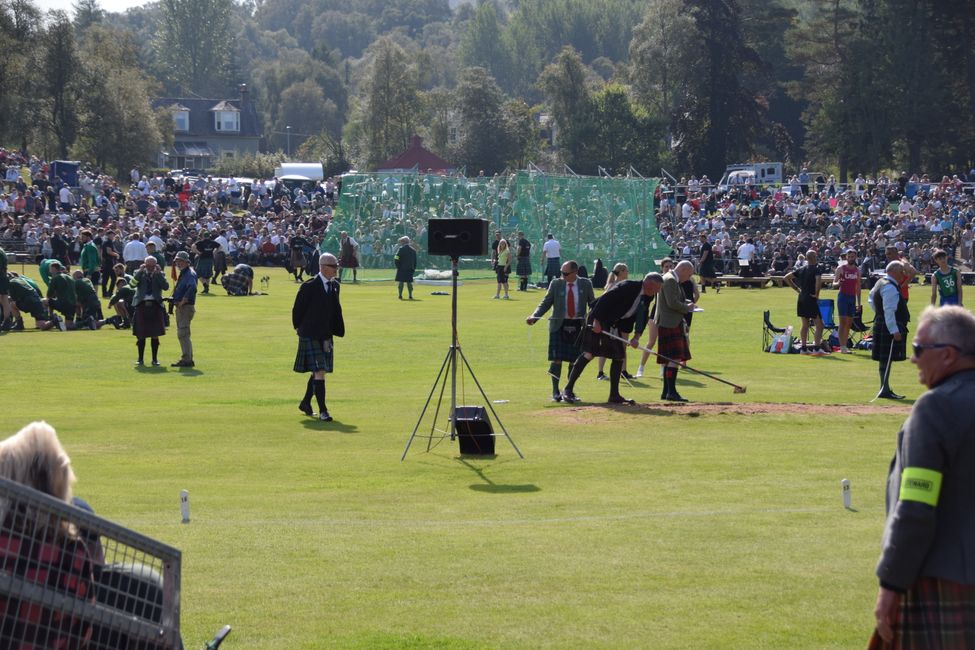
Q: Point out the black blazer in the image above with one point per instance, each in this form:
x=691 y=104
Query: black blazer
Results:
x=317 y=314
x=610 y=307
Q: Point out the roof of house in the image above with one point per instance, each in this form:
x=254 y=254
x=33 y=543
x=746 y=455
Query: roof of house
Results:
x=202 y=123
x=416 y=157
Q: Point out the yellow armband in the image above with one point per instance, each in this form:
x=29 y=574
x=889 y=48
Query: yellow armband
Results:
x=920 y=484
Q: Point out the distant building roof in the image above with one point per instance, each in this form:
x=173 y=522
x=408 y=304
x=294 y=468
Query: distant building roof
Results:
x=201 y=112
x=416 y=157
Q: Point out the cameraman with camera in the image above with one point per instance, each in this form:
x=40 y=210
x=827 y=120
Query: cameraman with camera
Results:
x=150 y=317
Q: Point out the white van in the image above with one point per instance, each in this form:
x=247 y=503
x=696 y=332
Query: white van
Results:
x=761 y=173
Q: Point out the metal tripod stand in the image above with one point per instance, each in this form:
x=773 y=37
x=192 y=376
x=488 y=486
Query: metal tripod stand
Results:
x=449 y=368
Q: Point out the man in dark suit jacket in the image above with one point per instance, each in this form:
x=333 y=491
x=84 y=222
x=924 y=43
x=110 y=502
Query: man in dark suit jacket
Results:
x=317 y=317
x=609 y=313
x=564 y=328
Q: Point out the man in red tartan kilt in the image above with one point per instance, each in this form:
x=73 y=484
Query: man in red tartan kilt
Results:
x=926 y=598
x=672 y=328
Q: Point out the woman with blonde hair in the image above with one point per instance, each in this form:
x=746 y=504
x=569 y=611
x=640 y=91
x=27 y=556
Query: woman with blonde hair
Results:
x=34 y=457
x=503 y=268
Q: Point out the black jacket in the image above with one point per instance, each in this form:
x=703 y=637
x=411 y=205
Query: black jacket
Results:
x=317 y=314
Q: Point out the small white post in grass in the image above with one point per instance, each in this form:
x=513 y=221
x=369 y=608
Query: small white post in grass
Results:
x=184 y=505
x=847 y=496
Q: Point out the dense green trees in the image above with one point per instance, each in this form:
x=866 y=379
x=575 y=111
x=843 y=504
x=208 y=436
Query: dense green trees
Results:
x=849 y=85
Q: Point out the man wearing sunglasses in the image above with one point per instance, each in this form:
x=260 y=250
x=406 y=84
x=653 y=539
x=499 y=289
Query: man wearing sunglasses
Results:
x=889 y=325
x=926 y=597
x=569 y=299
x=317 y=317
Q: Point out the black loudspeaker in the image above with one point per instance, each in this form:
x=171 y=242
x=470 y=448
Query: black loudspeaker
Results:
x=456 y=237
x=474 y=432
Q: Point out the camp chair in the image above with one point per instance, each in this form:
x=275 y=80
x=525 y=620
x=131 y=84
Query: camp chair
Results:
x=769 y=331
x=859 y=331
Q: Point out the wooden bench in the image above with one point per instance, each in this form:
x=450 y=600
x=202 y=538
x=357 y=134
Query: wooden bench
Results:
x=760 y=281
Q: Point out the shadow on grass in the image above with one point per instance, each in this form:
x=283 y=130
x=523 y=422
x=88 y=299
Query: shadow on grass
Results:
x=335 y=425
x=151 y=370
x=189 y=372
x=490 y=486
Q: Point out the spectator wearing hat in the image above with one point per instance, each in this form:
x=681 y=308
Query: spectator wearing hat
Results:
x=184 y=298
x=405 y=260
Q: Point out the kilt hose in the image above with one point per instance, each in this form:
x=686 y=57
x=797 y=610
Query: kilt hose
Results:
x=149 y=321
x=563 y=344
x=883 y=342
x=313 y=355
x=672 y=342
x=602 y=346
x=933 y=614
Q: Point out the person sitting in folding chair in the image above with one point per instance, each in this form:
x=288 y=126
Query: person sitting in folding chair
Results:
x=807 y=281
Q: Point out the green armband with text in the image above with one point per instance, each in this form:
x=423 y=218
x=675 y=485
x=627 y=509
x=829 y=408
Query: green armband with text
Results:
x=920 y=484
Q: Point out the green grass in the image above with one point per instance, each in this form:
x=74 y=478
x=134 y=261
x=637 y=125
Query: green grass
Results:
x=621 y=528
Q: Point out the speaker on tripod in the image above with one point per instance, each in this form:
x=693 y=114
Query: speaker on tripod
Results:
x=456 y=237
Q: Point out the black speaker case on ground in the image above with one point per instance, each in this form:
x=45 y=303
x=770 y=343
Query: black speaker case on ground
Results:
x=456 y=237
x=474 y=431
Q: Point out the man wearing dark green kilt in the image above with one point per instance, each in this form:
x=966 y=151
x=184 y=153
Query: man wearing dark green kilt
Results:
x=889 y=325
x=569 y=298
x=317 y=318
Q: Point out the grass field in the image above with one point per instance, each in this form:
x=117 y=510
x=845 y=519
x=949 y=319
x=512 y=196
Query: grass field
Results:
x=625 y=527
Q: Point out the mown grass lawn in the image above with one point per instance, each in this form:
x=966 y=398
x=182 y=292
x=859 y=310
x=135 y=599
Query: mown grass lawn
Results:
x=651 y=527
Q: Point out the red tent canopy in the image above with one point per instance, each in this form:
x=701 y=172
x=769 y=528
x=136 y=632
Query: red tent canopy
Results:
x=416 y=157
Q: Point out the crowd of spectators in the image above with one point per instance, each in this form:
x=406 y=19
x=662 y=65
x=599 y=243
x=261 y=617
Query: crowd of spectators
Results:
x=772 y=227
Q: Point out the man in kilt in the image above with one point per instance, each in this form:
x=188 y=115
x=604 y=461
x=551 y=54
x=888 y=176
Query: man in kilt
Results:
x=524 y=263
x=240 y=282
x=317 y=317
x=889 y=325
x=568 y=297
x=150 y=316
x=405 y=260
x=926 y=597
x=672 y=306
x=615 y=311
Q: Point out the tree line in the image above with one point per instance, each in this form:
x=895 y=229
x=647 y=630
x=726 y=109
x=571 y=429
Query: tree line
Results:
x=848 y=86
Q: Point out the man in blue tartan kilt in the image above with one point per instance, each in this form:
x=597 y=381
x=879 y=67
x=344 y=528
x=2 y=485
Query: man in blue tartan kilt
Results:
x=889 y=325
x=926 y=597
x=567 y=320
x=317 y=318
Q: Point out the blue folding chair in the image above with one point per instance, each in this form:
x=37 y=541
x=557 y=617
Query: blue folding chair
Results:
x=827 y=307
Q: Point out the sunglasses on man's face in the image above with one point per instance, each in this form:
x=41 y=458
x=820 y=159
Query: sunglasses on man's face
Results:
x=919 y=348
x=331 y=266
x=567 y=272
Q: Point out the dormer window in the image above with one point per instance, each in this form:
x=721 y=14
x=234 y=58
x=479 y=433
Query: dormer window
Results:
x=181 y=120
x=227 y=120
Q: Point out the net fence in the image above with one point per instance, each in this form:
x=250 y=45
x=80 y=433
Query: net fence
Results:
x=610 y=218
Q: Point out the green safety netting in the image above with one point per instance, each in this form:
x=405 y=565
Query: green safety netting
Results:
x=591 y=216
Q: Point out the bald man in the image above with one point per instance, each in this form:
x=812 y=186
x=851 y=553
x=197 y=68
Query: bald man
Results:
x=672 y=343
x=807 y=281
x=889 y=324
x=317 y=318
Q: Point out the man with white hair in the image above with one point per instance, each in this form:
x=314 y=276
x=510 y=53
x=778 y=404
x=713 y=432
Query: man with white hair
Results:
x=317 y=318
x=150 y=317
x=926 y=597
x=889 y=325
x=671 y=327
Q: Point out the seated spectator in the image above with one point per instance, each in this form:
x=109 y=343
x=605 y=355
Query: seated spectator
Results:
x=33 y=550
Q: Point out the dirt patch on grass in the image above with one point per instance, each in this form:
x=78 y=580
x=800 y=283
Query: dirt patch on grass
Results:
x=697 y=409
